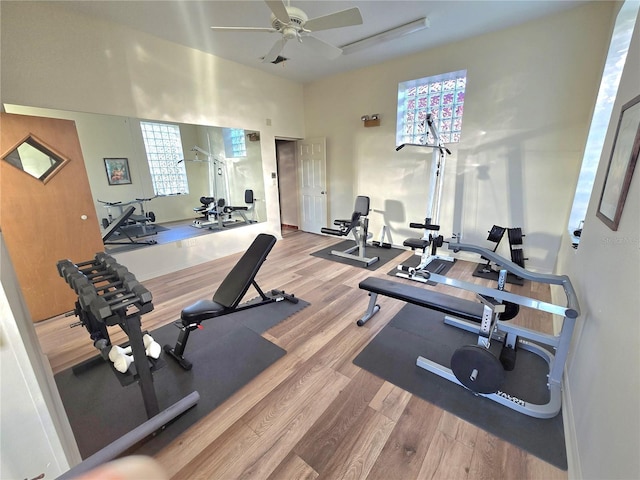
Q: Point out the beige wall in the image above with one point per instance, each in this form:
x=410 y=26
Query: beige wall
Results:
x=530 y=92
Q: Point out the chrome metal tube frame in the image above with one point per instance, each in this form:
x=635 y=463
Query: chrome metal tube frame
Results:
x=573 y=308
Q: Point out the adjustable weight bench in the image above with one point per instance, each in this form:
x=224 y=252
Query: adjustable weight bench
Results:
x=117 y=225
x=227 y=298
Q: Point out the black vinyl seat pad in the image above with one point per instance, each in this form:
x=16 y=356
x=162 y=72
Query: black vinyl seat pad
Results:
x=441 y=302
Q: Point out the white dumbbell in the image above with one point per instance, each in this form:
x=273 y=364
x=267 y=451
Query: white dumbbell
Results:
x=121 y=361
x=152 y=348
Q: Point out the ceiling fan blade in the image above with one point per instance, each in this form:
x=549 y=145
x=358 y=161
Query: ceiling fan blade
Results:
x=320 y=46
x=275 y=51
x=245 y=29
x=279 y=10
x=344 y=18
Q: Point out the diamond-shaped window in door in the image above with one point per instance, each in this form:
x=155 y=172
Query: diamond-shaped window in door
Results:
x=33 y=157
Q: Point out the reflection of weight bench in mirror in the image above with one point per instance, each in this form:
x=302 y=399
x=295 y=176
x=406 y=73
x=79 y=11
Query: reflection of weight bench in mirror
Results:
x=228 y=296
x=109 y=295
x=358 y=225
x=142 y=219
x=481 y=367
x=117 y=226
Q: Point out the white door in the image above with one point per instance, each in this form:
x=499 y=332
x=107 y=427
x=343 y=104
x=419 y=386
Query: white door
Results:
x=312 y=168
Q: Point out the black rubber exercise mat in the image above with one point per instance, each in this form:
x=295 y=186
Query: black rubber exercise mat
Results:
x=384 y=254
x=417 y=331
x=226 y=355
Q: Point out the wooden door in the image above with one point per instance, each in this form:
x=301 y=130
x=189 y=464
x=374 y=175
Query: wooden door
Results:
x=46 y=219
x=312 y=168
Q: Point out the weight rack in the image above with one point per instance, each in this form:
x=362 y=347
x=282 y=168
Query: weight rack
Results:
x=108 y=295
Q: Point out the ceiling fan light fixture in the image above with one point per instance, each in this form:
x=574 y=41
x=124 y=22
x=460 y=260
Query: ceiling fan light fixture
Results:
x=386 y=36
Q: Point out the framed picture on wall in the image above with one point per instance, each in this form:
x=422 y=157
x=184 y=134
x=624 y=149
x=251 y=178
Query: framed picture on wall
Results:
x=118 y=172
x=624 y=156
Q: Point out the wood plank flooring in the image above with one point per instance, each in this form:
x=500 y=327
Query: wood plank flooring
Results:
x=313 y=414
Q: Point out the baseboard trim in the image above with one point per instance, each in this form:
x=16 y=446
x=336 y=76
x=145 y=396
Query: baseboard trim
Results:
x=574 y=469
x=292 y=227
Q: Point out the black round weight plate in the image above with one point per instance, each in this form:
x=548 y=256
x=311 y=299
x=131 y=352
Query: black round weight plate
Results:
x=105 y=223
x=477 y=369
x=495 y=234
x=152 y=217
x=517 y=257
x=515 y=236
x=510 y=310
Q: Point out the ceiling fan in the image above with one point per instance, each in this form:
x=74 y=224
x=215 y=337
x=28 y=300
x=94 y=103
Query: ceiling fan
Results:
x=293 y=23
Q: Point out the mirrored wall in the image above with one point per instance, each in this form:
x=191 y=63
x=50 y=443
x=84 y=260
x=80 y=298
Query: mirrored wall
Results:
x=199 y=178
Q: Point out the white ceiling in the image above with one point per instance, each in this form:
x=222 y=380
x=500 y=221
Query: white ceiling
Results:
x=187 y=23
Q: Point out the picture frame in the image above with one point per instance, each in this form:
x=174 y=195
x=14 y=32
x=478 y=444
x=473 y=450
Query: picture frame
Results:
x=118 y=172
x=622 y=162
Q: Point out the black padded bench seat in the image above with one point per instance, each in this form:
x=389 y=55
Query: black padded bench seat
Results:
x=441 y=302
x=201 y=310
x=419 y=243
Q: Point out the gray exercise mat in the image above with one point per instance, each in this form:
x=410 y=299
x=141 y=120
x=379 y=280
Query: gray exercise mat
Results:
x=226 y=354
x=384 y=254
x=417 y=331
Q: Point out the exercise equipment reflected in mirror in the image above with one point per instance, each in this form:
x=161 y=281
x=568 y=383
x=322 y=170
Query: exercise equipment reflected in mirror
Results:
x=170 y=165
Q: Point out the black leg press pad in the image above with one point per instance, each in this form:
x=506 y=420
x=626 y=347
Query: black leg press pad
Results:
x=417 y=331
x=226 y=354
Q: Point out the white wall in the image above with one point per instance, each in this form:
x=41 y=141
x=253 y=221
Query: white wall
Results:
x=530 y=92
x=603 y=375
x=36 y=437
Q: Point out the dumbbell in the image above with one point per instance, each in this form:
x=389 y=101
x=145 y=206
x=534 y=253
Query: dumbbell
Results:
x=129 y=288
x=113 y=272
x=67 y=267
x=103 y=308
x=87 y=291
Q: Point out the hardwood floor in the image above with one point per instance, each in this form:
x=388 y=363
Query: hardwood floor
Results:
x=314 y=414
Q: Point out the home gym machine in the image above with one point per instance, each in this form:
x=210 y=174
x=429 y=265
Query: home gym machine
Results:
x=109 y=295
x=358 y=225
x=219 y=214
x=482 y=367
x=430 y=261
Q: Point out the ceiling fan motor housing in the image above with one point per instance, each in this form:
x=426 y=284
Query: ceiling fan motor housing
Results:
x=297 y=16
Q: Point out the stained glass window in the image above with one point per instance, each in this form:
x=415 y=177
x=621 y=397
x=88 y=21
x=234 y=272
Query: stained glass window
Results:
x=442 y=96
x=163 y=144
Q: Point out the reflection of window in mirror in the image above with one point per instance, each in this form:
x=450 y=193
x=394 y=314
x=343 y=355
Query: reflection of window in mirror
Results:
x=163 y=144
x=33 y=158
x=234 y=143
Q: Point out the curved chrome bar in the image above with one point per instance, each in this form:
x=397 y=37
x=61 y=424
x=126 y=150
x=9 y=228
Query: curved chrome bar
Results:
x=573 y=307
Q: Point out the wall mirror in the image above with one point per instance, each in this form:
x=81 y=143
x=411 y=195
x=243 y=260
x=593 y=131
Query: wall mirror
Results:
x=184 y=180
